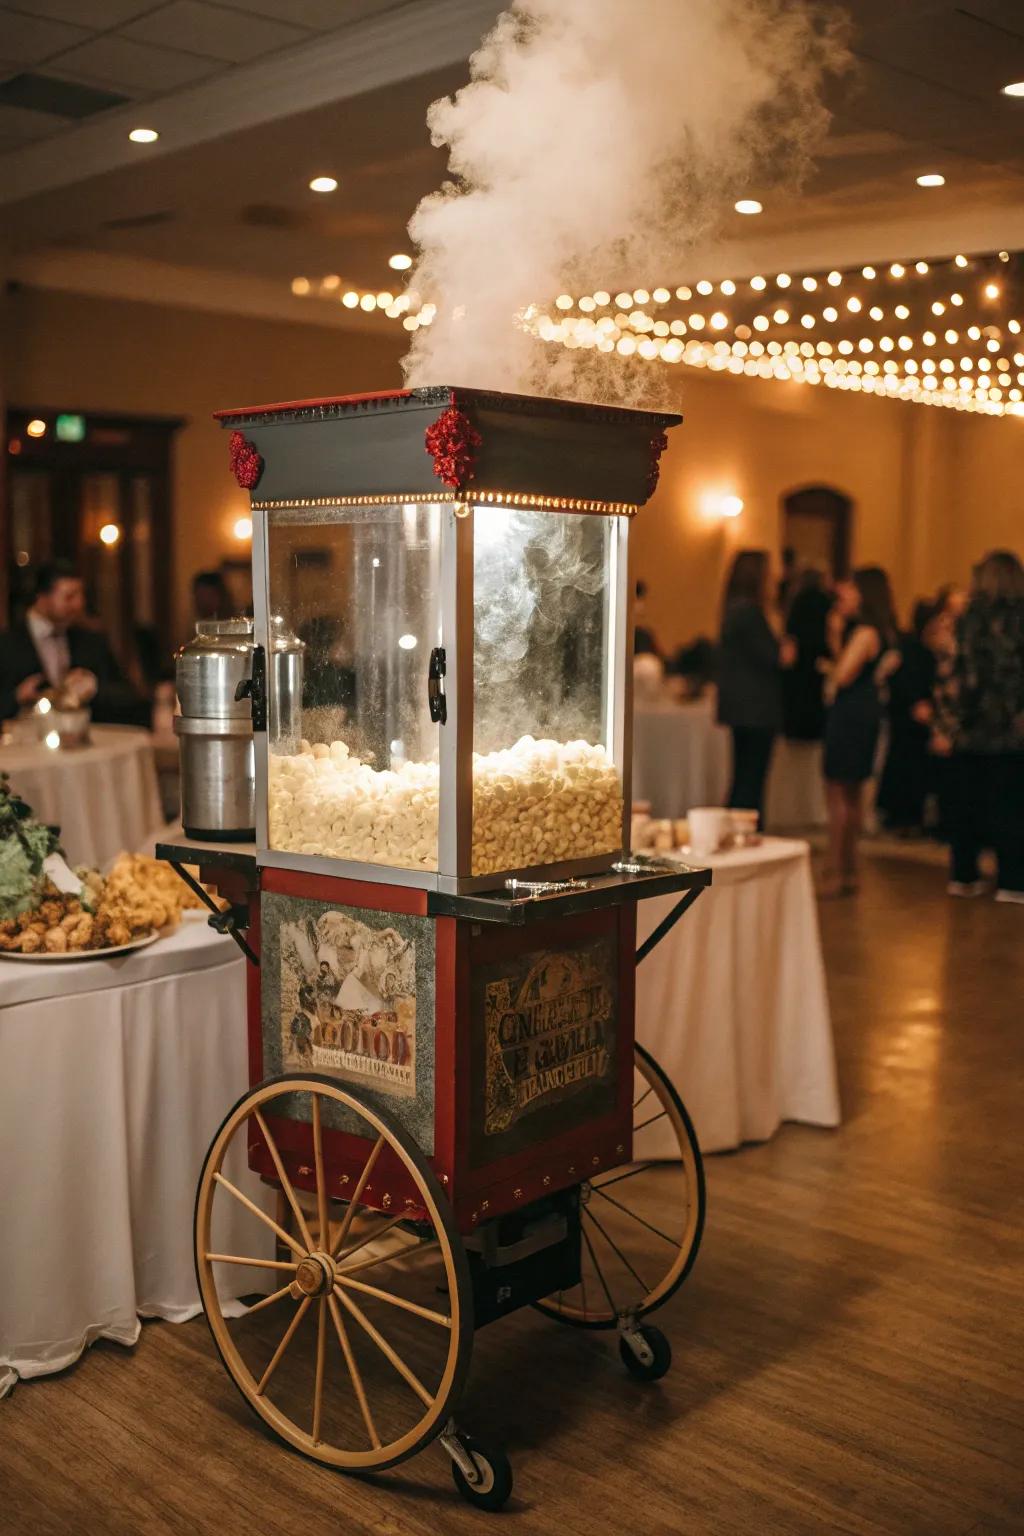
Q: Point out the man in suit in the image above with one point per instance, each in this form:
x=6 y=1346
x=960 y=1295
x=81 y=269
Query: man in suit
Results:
x=52 y=649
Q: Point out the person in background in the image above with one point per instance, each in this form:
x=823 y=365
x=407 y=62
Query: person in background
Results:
x=904 y=783
x=750 y=658
x=789 y=581
x=980 y=727
x=866 y=634
x=210 y=596
x=54 y=648
x=803 y=699
x=644 y=642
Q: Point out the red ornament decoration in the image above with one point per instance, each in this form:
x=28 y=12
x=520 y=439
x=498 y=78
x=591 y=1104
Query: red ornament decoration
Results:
x=246 y=463
x=659 y=442
x=452 y=442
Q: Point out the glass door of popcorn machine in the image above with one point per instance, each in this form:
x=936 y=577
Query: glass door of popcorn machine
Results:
x=351 y=766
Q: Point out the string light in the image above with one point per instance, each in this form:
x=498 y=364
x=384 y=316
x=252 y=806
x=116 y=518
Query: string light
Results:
x=633 y=331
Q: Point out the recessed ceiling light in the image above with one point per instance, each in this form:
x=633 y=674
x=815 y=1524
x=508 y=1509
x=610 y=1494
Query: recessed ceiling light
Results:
x=932 y=179
x=1015 y=88
x=400 y=262
x=749 y=205
x=143 y=135
x=323 y=184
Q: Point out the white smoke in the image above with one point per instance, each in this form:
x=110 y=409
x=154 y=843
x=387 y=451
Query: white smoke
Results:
x=596 y=141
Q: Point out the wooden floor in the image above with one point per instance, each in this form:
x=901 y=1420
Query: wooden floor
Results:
x=848 y=1350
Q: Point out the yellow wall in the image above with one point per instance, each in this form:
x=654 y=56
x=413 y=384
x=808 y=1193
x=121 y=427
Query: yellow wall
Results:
x=932 y=489
x=88 y=354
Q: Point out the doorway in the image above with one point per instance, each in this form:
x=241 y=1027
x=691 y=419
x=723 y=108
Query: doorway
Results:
x=816 y=526
x=95 y=490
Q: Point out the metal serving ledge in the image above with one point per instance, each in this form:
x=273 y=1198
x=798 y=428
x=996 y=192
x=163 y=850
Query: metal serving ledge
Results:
x=631 y=881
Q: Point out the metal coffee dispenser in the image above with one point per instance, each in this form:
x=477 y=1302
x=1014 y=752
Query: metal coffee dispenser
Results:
x=214 y=675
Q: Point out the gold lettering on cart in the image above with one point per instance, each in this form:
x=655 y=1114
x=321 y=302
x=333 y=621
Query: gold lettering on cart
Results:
x=548 y=1033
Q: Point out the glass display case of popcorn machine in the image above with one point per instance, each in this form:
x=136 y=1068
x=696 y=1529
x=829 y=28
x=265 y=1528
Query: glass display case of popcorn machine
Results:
x=455 y=564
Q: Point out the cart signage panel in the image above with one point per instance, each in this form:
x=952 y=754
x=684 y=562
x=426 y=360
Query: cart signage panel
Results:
x=549 y=1027
x=350 y=992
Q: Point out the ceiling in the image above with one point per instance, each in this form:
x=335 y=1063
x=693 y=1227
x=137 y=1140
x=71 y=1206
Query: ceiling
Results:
x=268 y=93
x=137 y=51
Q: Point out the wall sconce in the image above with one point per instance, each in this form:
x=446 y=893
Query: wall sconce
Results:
x=109 y=533
x=243 y=528
x=719 y=504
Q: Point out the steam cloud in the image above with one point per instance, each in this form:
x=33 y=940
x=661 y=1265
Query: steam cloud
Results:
x=595 y=143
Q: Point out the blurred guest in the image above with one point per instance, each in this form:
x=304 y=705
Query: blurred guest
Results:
x=980 y=724
x=866 y=634
x=750 y=658
x=803 y=698
x=644 y=642
x=210 y=596
x=904 y=782
x=55 y=649
x=695 y=665
x=788 y=582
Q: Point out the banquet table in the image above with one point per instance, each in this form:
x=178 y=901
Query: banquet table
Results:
x=681 y=756
x=104 y=797
x=732 y=1003
x=114 y=1076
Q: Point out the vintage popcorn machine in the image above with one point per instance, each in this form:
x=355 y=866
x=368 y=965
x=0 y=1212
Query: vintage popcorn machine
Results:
x=440 y=913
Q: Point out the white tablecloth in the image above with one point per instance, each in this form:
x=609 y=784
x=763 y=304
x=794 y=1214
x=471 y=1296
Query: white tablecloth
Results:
x=114 y=1077
x=732 y=1003
x=681 y=757
x=795 y=792
x=104 y=797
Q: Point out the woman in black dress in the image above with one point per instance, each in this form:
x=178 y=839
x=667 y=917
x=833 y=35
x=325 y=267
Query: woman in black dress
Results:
x=862 y=647
x=749 y=678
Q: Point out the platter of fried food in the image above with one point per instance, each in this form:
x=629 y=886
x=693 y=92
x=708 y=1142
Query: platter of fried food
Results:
x=123 y=910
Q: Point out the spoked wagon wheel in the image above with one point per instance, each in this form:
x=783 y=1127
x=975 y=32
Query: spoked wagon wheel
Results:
x=641 y=1223
x=358 y=1354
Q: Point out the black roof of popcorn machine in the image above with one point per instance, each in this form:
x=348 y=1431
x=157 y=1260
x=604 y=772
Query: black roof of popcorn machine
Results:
x=448 y=442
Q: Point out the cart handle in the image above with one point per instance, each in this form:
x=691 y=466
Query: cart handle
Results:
x=668 y=923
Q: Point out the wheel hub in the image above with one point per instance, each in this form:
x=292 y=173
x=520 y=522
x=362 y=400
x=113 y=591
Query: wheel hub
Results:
x=315 y=1275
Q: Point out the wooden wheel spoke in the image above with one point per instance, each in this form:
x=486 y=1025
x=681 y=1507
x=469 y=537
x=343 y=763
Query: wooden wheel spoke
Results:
x=386 y=1349
x=321 y=1355
x=235 y=1258
x=286 y=1183
x=613 y=1245
x=356 y=1194
x=268 y=1301
x=369 y=1238
x=607 y=1183
x=353 y=1371
x=674 y=1241
x=279 y=1352
x=659 y=1116
x=267 y=1221
x=396 y=1301
x=321 y=1182
x=387 y=1258
x=600 y=1271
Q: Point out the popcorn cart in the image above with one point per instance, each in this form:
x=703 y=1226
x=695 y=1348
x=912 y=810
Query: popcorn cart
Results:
x=448 y=1104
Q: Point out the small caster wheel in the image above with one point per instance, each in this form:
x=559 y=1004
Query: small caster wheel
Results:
x=494 y=1475
x=646 y=1353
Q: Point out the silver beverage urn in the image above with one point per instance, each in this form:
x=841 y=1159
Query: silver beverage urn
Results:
x=214 y=730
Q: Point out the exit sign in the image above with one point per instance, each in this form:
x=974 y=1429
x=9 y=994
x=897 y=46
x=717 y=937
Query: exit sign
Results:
x=69 y=429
